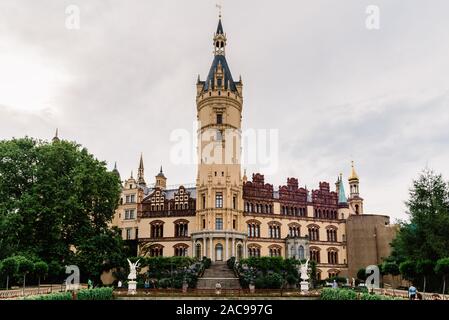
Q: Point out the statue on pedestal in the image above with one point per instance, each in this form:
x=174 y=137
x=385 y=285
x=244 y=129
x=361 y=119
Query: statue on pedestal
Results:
x=304 y=275
x=132 y=283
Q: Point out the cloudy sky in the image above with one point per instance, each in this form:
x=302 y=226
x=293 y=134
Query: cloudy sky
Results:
x=335 y=90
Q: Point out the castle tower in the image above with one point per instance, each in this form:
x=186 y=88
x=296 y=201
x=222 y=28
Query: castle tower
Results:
x=161 y=180
x=221 y=231
x=355 y=201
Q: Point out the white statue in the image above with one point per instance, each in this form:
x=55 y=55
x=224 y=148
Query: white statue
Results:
x=132 y=270
x=304 y=269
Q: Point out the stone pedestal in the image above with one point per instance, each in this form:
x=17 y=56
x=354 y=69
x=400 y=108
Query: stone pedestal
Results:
x=304 y=286
x=252 y=288
x=132 y=287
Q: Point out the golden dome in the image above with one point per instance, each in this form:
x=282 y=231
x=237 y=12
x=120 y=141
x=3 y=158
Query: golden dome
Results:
x=353 y=175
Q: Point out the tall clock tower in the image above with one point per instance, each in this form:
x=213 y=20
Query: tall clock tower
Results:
x=220 y=230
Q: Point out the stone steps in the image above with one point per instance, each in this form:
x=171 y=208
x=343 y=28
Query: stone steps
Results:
x=218 y=273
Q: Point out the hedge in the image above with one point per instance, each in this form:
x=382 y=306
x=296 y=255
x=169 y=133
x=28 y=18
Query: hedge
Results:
x=347 y=294
x=104 y=293
x=52 y=296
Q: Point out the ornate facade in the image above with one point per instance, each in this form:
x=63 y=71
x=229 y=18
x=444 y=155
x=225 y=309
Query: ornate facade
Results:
x=224 y=214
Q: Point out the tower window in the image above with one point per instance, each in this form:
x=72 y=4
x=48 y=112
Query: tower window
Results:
x=219 y=224
x=219 y=200
x=219 y=118
x=204 y=201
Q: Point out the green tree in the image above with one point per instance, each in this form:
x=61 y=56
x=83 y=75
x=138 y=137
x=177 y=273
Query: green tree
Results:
x=425 y=268
x=390 y=268
x=361 y=274
x=9 y=268
x=408 y=270
x=25 y=266
x=56 y=202
x=442 y=269
x=41 y=270
x=425 y=235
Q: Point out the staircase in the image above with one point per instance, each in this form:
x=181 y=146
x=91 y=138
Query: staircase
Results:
x=218 y=272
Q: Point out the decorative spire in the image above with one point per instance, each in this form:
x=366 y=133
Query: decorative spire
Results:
x=132 y=174
x=219 y=39
x=341 y=192
x=115 y=170
x=353 y=175
x=245 y=178
x=56 y=138
x=161 y=173
x=140 y=175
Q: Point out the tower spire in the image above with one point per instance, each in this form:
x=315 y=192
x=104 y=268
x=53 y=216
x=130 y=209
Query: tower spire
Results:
x=219 y=39
x=56 y=138
x=140 y=175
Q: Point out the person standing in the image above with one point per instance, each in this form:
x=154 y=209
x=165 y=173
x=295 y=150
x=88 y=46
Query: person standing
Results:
x=335 y=284
x=412 y=292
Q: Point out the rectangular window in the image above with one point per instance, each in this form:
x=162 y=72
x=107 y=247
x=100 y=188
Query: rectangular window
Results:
x=219 y=118
x=127 y=199
x=219 y=224
x=128 y=234
x=133 y=198
x=137 y=233
x=204 y=223
x=234 y=202
x=234 y=224
x=218 y=200
x=131 y=214
x=219 y=135
x=204 y=201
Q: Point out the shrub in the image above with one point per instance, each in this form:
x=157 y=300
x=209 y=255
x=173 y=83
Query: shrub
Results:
x=291 y=279
x=207 y=262
x=52 y=296
x=231 y=263
x=274 y=281
x=164 y=283
x=347 y=294
x=104 y=293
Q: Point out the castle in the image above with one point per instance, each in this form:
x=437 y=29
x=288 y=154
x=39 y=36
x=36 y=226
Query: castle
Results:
x=225 y=214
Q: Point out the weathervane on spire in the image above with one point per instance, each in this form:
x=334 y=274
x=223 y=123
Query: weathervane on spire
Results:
x=219 y=6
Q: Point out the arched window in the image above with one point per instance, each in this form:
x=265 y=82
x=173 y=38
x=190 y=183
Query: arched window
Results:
x=315 y=254
x=253 y=229
x=332 y=256
x=181 y=228
x=156 y=250
x=254 y=250
x=314 y=234
x=301 y=252
x=180 y=250
x=157 y=229
x=331 y=234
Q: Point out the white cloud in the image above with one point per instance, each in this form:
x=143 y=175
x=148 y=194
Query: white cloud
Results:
x=335 y=90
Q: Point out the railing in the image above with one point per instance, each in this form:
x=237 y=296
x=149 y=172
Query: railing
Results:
x=216 y=293
x=404 y=294
x=44 y=289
